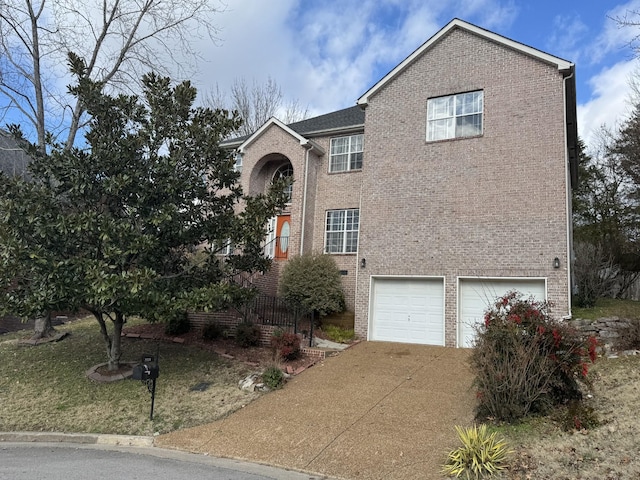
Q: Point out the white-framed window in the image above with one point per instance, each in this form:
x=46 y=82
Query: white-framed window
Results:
x=237 y=166
x=346 y=153
x=341 y=233
x=285 y=172
x=224 y=248
x=455 y=116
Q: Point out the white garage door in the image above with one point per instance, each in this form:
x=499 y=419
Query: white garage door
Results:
x=408 y=310
x=476 y=295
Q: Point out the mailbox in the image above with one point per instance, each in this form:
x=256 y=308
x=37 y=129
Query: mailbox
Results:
x=146 y=370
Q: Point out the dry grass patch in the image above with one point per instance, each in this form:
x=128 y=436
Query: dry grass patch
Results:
x=44 y=388
x=607 y=452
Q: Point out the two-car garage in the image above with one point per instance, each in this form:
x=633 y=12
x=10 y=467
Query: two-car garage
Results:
x=412 y=309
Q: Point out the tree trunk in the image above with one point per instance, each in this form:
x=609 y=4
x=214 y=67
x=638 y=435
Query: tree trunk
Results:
x=43 y=327
x=115 y=352
x=113 y=343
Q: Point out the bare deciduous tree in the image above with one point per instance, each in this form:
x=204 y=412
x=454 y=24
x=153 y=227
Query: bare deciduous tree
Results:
x=595 y=273
x=256 y=104
x=118 y=39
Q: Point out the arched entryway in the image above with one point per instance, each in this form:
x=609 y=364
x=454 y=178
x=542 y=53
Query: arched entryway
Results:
x=278 y=242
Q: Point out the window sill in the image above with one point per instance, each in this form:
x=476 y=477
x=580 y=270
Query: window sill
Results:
x=345 y=171
x=454 y=139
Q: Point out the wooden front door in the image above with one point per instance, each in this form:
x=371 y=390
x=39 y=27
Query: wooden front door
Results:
x=283 y=231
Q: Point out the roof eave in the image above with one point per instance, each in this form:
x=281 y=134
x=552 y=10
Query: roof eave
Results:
x=330 y=131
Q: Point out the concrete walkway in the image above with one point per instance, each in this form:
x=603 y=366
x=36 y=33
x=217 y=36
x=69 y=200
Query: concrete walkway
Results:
x=375 y=411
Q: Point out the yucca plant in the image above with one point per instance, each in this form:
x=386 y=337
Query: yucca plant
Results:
x=480 y=455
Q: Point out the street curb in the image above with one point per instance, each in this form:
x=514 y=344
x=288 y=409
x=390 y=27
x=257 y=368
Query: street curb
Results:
x=146 y=447
x=80 y=438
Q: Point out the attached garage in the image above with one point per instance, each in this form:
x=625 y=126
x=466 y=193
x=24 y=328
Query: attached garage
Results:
x=475 y=295
x=407 y=310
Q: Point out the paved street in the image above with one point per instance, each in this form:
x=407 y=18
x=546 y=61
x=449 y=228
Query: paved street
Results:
x=41 y=461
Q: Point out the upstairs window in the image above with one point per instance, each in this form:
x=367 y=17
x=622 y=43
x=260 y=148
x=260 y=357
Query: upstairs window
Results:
x=455 y=116
x=237 y=165
x=341 y=235
x=346 y=153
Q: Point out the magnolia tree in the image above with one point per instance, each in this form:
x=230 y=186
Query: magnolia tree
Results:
x=112 y=227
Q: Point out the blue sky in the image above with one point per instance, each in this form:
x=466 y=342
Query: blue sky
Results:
x=326 y=53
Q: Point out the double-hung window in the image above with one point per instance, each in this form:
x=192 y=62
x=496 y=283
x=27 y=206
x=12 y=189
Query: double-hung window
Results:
x=224 y=248
x=346 y=153
x=237 y=165
x=341 y=234
x=455 y=116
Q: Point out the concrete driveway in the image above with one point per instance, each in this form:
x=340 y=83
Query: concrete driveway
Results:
x=375 y=411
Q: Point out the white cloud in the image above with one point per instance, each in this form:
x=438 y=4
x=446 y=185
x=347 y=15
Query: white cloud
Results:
x=325 y=55
x=609 y=102
x=614 y=38
x=567 y=40
x=490 y=14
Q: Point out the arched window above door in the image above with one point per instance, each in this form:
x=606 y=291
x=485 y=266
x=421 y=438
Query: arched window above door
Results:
x=285 y=172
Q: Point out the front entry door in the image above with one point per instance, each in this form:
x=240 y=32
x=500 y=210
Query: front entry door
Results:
x=283 y=230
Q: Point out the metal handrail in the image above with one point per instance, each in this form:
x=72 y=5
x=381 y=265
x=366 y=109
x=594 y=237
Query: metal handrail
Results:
x=278 y=248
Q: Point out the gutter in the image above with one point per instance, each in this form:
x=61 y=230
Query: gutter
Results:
x=569 y=182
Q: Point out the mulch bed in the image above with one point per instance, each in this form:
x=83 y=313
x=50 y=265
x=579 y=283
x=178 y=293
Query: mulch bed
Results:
x=259 y=357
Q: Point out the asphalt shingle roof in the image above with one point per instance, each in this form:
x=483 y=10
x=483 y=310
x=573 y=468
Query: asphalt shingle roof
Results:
x=342 y=119
x=345 y=118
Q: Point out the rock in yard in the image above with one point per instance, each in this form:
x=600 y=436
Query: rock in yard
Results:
x=250 y=383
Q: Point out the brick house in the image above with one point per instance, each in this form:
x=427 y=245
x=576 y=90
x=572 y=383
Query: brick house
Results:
x=446 y=185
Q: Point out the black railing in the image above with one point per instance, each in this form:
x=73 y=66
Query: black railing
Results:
x=267 y=310
x=275 y=311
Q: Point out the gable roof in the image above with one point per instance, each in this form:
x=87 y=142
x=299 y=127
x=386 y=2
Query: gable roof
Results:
x=347 y=119
x=13 y=158
x=304 y=142
x=562 y=65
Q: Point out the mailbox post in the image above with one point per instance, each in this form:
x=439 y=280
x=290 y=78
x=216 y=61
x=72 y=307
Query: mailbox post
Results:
x=148 y=372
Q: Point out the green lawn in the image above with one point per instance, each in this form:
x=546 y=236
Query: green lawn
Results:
x=609 y=307
x=45 y=388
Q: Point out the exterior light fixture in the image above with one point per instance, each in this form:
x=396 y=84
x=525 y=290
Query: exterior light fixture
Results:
x=363 y=263
x=556 y=262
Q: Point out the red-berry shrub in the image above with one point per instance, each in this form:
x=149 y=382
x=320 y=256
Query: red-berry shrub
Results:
x=524 y=361
x=286 y=345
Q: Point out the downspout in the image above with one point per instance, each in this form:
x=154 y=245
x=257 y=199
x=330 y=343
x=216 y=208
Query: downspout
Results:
x=568 y=199
x=308 y=148
x=355 y=290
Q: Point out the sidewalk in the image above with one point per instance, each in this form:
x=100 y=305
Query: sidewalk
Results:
x=376 y=411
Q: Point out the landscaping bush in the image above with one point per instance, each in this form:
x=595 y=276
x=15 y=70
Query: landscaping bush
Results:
x=480 y=455
x=178 y=324
x=273 y=377
x=212 y=331
x=312 y=282
x=524 y=361
x=247 y=335
x=628 y=335
x=577 y=416
x=286 y=345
